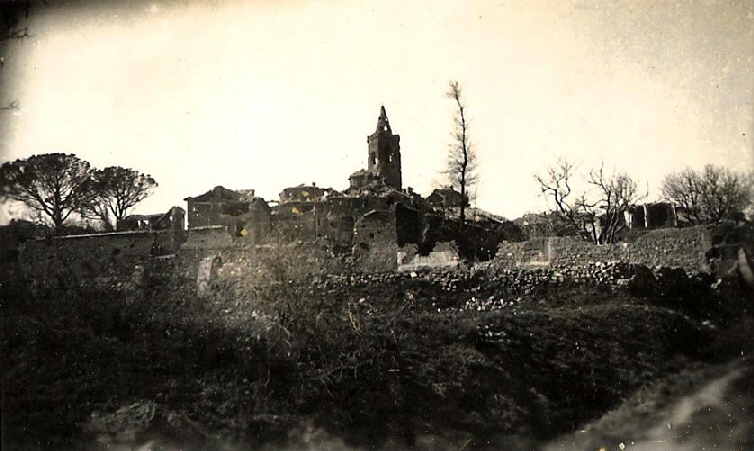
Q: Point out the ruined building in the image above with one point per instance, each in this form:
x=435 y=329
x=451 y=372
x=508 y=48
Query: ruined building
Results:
x=385 y=153
x=371 y=218
x=209 y=208
x=373 y=225
x=383 y=163
x=304 y=212
x=652 y=215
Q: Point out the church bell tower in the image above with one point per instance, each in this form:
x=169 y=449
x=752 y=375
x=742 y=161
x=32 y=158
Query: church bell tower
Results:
x=385 y=153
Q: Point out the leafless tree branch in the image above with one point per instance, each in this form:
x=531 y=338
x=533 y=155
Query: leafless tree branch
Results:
x=462 y=162
x=597 y=214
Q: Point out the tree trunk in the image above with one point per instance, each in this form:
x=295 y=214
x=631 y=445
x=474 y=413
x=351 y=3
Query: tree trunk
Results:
x=57 y=220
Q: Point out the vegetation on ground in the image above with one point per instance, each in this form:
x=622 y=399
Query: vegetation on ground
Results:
x=271 y=364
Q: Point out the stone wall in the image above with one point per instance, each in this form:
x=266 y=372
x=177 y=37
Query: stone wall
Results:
x=121 y=258
x=244 y=267
x=685 y=248
x=443 y=256
x=93 y=259
x=376 y=242
x=208 y=238
x=525 y=254
x=212 y=257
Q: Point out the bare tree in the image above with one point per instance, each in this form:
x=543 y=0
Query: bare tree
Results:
x=598 y=212
x=684 y=189
x=115 y=191
x=710 y=196
x=54 y=185
x=461 y=165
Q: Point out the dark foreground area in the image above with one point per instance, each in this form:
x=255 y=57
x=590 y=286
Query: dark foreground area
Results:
x=416 y=363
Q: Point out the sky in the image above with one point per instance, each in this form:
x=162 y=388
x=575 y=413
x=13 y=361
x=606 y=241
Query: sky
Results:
x=269 y=94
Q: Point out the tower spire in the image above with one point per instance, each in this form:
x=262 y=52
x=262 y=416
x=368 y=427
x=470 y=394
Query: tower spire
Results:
x=383 y=125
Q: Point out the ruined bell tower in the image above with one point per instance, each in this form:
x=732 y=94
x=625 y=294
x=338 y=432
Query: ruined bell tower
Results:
x=385 y=153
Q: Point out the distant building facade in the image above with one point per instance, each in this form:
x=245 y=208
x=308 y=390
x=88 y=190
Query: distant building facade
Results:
x=172 y=219
x=652 y=215
x=208 y=209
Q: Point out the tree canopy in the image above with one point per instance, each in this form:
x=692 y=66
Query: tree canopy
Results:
x=54 y=185
x=57 y=186
x=116 y=190
x=712 y=195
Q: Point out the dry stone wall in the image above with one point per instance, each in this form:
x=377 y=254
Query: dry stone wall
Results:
x=443 y=256
x=685 y=248
x=212 y=257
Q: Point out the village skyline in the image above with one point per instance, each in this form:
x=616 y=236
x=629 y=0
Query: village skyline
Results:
x=269 y=95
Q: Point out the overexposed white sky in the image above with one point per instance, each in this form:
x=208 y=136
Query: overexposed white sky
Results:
x=268 y=94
